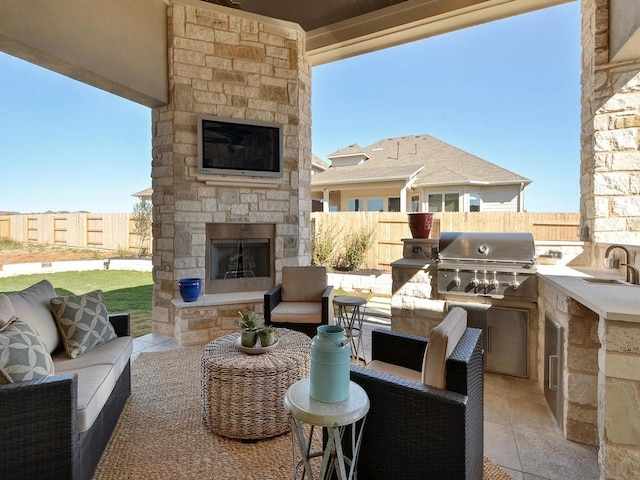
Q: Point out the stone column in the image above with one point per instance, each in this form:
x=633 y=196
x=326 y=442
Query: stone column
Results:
x=227 y=63
x=610 y=154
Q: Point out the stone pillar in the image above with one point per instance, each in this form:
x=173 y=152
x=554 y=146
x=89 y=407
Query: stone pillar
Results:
x=610 y=154
x=227 y=63
x=415 y=305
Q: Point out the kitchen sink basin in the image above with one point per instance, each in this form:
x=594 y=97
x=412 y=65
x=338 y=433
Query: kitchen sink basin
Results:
x=603 y=281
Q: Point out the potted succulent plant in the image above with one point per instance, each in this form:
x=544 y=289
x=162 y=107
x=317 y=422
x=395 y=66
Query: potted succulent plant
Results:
x=250 y=323
x=268 y=336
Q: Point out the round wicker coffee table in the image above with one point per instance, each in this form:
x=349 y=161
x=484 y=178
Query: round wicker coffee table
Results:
x=241 y=394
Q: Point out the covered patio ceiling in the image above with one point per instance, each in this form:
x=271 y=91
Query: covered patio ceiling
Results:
x=338 y=29
x=120 y=46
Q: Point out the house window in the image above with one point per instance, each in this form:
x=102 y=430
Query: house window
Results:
x=393 y=204
x=415 y=203
x=435 y=203
x=375 y=205
x=449 y=202
x=474 y=202
x=355 y=205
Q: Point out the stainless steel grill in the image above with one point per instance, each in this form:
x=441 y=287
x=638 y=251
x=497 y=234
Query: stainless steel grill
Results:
x=494 y=264
x=493 y=277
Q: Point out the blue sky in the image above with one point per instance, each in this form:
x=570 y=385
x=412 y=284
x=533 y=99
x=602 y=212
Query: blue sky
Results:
x=507 y=91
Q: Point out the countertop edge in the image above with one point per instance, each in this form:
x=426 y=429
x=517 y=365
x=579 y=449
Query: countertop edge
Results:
x=613 y=302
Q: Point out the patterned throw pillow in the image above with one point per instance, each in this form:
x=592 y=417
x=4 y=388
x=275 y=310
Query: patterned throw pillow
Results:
x=23 y=356
x=83 y=322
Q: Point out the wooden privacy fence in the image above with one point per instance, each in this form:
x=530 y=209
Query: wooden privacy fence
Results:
x=102 y=231
x=391 y=227
x=114 y=231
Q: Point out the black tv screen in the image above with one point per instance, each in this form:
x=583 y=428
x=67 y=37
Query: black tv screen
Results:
x=229 y=146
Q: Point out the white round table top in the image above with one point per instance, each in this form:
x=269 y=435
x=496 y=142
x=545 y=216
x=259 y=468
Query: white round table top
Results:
x=299 y=403
x=350 y=301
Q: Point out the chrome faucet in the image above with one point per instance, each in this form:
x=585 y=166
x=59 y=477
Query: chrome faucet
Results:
x=632 y=274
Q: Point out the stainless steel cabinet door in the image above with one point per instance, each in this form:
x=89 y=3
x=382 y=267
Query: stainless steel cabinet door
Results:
x=507 y=341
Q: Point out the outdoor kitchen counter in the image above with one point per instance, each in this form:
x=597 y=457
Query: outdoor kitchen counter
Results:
x=611 y=301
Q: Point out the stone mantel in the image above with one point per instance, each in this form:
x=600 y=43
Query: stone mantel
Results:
x=212 y=315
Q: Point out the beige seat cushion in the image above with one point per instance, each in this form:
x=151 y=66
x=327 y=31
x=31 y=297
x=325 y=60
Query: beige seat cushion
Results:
x=297 y=312
x=395 y=370
x=442 y=342
x=98 y=372
x=303 y=284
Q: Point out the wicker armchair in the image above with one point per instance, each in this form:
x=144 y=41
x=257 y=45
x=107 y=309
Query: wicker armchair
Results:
x=415 y=431
x=39 y=425
x=302 y=302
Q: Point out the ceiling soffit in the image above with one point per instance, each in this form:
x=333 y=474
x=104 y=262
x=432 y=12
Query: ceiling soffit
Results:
x=338 y=29
x=409 y=21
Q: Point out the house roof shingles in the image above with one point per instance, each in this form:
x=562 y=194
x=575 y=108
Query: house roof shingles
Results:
x=437 y=162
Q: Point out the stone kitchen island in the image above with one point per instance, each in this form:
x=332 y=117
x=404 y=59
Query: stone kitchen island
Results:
x=597 y=362
x=601 y=362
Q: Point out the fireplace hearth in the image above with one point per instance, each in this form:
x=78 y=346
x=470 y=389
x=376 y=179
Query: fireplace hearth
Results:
x=239 y=257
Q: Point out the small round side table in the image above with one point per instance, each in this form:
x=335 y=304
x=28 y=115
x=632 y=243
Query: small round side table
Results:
x=334 y=417
x=350 y=316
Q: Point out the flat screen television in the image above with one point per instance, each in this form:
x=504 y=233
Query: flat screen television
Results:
x=230 y=146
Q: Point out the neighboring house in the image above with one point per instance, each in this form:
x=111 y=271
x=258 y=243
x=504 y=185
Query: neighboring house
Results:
x=144 y=194
x=416 y=173
x=318 y=165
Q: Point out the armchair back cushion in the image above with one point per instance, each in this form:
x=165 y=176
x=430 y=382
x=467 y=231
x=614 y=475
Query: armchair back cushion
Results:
x=7 y=313
x=303 y=284
x=32 y=306
x=442 y=342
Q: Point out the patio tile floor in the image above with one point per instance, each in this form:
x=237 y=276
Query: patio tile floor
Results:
x=520 y=432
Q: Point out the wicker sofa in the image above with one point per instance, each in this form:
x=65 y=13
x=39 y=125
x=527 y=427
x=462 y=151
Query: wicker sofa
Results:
x=57 y=427
x=417 y=431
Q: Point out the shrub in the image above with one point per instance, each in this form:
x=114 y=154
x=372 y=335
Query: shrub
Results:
x=323 y=244
x=142 y=219
x=356 y=245
x=122 y=251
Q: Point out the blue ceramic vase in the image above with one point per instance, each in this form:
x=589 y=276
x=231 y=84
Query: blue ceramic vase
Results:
x=190 y=289
x=330 y=364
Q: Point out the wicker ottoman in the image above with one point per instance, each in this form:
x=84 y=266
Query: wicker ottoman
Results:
x=241 y=394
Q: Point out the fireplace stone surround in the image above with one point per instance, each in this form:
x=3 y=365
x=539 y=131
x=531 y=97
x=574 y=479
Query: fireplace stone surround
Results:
x=236 y=66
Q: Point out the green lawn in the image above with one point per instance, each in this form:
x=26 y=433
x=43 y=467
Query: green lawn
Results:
x=124 y=291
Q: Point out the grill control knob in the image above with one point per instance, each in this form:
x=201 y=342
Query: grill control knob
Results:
x=456 y=279
x=495 y=284
x=514 y=283
x=474 y=281
x=484 y=283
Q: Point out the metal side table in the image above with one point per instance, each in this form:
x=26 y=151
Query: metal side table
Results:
x=350 y=316
x=335 y=417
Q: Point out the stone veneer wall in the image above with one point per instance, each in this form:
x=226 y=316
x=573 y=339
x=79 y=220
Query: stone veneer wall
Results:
x=415 y=305
x=610 y=154
x=229 y=64
x=580 y=360
x=610 y=209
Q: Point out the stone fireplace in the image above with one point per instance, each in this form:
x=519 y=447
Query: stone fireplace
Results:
x=239 y=257
x=236 y=232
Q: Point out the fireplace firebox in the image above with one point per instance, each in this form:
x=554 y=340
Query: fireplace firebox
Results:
x=239 y=257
